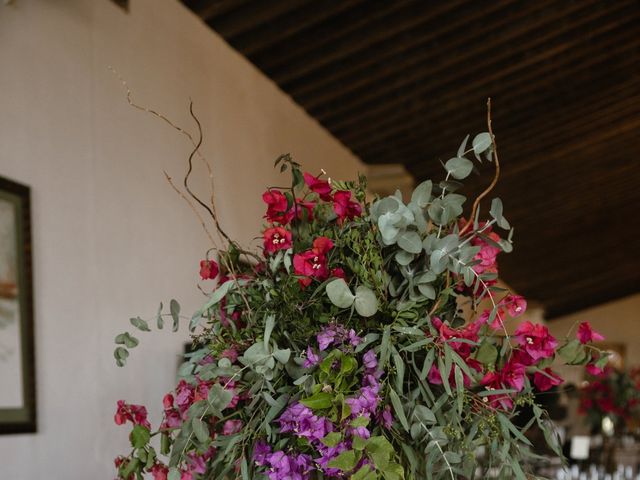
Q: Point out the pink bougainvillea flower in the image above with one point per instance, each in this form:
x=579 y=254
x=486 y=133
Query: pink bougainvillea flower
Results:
x=594 y=370
x=231 y=426
x=515 y=305
x=231 y=354
x=276 y=238
x=172 y=417
x=313 y=263
x=321 y=187
x=493 y=381
x=278 y=209
x=498 y=321
x=208 y=269
x=136 y=414
x=547 y=380
x=536 y=340
x=159 y=471
x=345 y=207
x=338 y=273
x=305 y=209
x=586 y=334
x=513 y=375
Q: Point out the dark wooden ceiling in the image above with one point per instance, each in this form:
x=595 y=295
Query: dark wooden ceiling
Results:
x=405 y=81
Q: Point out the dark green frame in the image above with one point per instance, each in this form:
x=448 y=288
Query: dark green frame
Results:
x=22 y=420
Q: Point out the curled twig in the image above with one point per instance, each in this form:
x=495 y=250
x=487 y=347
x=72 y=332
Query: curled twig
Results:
x=476 y=203
x=181 y=130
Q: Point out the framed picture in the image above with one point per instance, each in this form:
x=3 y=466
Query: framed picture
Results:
x=17 y=367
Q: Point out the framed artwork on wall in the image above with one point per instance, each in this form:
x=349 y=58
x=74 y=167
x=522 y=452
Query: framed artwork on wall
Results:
x=17 y=366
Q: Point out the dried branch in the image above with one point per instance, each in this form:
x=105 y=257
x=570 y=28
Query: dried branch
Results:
x=181 y=130
x=196 y=148
x=184 y=197
x=476 y=203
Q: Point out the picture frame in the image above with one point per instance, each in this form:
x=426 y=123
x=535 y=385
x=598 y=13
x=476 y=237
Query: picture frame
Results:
x=17 y=348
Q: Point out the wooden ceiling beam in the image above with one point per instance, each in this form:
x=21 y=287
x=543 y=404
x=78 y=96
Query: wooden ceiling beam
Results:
x=409 y=98
x=252 y=15
x=383 y=64
x=281 y=29
x=374 y=31
x=518 y=78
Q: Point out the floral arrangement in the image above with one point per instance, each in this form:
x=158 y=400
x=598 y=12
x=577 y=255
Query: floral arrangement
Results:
x=366 y=341
x=611 y=393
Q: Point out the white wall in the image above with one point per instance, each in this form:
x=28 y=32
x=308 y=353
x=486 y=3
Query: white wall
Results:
x=111 y=239
x=618 y=321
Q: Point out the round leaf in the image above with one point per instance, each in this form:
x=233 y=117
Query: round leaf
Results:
x=481 y=142
x=459 y=167
x=366 y=302
x=410 y=241
x=339 y=293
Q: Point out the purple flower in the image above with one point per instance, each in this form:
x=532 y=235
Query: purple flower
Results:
x=301 y=421
x=260 y=453
x=370 y=360
x=335 y=334
x=312 y=359
x=386 y=417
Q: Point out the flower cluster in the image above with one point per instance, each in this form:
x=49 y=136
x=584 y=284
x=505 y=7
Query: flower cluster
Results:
x=354 y=344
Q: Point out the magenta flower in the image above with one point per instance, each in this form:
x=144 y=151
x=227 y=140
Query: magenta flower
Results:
x=312 y=359
x=545 y=382
x=136 y=414
x=321 y=187
x=536 y=340
x=493 y=381
x=276 y=238
x=513 y=375
x=586 y=334
x=515 y=304
x=313 y=263
x=345 y=207
x=159 y=471
x=208 y=270
x=231 y=426
x=278 y=209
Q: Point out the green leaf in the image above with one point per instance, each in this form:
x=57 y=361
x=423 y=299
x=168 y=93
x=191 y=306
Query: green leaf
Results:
x=140 y=324
x=165 y=444
x=410 y=241
x=481 y=142
x=421 y=195
x=174 y=474
x=174 y=308
x=403 y=257
x=268 y=328
x=219 y=398
x=219 y=293
x=332 y=439
x=364 y=473
x=318 y=401
x=571 y=352
x=366 y=302
x=380 y=451
x=427 y=290
x=282 y=355
x=487 y=354
x=159 y=319
x=346 y=461
x=140 y=436
x=200 y=430
x=424 y=414
x=398 y=408
x=459 y=167
x=459 y=388
x=463 y=147
x=339 y=293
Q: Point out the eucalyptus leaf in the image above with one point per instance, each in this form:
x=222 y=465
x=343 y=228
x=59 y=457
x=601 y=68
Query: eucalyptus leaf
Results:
x=366 y=302
x=339 y=293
